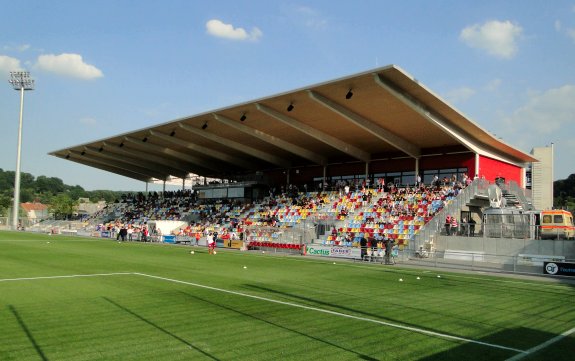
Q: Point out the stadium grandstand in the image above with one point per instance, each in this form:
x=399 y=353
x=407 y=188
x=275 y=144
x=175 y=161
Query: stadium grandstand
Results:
x=374 y=155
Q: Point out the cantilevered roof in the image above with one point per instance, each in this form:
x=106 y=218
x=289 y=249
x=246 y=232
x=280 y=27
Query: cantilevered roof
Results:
x=377 y=114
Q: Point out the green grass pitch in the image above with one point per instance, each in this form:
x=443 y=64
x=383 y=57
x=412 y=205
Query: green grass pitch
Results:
x=65 y=298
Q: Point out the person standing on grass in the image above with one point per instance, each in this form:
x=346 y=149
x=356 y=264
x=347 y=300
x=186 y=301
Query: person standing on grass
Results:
x=145 y=233
x=388 y=247
x=211 y=243
x=198 y=236
x=363 y=245
x=123 y=233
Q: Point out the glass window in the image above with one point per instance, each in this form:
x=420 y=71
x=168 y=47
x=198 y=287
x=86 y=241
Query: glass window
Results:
x=547 y=218
x=558 y=218
x=428 y=178
x=408 y=179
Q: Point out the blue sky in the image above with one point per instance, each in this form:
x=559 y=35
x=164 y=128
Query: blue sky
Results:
x=106 y=67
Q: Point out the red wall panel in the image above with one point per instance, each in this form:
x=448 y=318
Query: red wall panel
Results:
x=492 y=168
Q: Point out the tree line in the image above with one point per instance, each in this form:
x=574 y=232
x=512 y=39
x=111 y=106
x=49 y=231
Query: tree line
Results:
x=60 y=197
x=564 y=193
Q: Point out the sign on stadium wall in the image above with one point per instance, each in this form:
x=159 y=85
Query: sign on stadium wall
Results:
x=329 y=251
x=559 y=268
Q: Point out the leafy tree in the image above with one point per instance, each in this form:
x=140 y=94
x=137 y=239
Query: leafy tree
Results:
x=26 y=195
x=26 y=180
x=76 y=192
x=52 y=185
x=564 y=193
x=63 y=206
x=6 y=180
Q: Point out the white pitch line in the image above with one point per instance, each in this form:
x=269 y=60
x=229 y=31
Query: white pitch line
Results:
x=542 y=346
x=412 y=329
x=68 y=276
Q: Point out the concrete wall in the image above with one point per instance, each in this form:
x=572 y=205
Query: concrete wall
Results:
x=507 y=247
x=542 y=178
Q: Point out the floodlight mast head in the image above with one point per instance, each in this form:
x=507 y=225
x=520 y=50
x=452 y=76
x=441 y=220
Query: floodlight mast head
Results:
x=21 y=80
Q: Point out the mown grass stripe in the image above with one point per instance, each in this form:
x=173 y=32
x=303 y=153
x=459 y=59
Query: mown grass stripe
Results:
x=407 y=328
x=65 y=276
x=542 y=346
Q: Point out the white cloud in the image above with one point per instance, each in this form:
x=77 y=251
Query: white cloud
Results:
x=493 y=85
x=220 y=29
x=459 y=95
x=23 y=47
x=557 y=25
x=20 y=48
x=311 y=18
x=497 y=38
x=68 y=64
x=546 y=113
x=571 y=33
x=8 y=64
x=88 y=121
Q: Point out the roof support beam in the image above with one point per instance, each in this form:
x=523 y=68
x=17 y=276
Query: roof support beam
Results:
x=426 y=114
x=280 y=143
x=270 y=158
x=120 y=164
x=129 y=161
x=174 y=168
x=319 y=135
x=128 y=158
x=209 y=152
x=383 y=134
x=77 y=158
x=190 y=164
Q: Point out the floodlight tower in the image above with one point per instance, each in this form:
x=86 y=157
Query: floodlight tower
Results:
x=21 y=81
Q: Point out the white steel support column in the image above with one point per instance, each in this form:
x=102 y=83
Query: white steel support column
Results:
x=476 y=166
x=552 y=171
x=417 y=170
x=366 y=171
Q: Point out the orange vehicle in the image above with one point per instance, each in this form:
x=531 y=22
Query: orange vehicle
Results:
x=557 y=224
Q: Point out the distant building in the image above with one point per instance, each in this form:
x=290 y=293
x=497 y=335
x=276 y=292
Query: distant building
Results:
x=35 y=211
x=88 y=208
x=540 y=178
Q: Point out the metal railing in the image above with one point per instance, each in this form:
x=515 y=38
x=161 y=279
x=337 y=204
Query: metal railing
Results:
x=433 y=228
x=524 y=263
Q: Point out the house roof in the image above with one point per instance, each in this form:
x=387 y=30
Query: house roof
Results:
x=33 y=206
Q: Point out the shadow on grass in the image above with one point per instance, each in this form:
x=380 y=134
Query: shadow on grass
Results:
x=361 y=356
x=311 y=302
x=160 y=328
x=28 y=333
x=532 y=337
x=482 y=349
x=491 y=347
